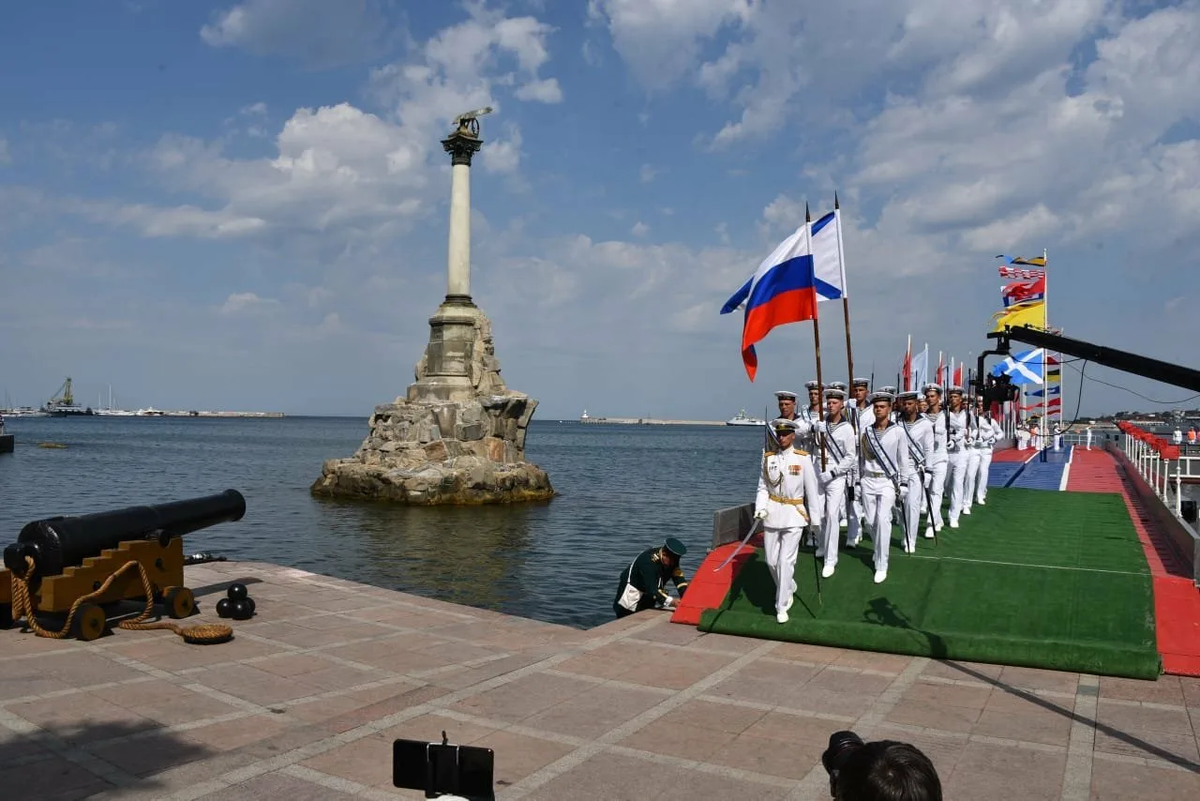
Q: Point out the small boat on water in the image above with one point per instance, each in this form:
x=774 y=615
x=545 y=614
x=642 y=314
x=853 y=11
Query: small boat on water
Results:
x=64 y=405
x=740 y=419
x=7 y=441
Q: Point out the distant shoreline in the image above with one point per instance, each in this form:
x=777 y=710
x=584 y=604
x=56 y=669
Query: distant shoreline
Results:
x=645 y=421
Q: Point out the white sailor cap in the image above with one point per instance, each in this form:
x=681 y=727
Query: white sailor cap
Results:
x=888 y=388
x=881 y=396
x=910 y=394
x=785 y=394
x=782 y=425
x=812 y=385
x=834 y=392
x=932 y=388
x=954 y=388
x=837 y=385
x=860 y=382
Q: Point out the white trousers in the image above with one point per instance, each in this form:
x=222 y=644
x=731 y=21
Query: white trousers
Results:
x=914 y=501
x=957 y=473
x=972 y=477
x=937 y=491
x=985 y=464
x=781 y=545
x=879 y=496
x=831 y=528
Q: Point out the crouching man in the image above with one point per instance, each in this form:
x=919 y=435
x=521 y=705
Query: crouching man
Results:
x=642 y=583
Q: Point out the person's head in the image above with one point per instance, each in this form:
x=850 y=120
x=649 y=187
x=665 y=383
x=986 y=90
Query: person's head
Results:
x=860 y=388
x=787 y=403
x=922 y=405
x=887 y=770
x=672 y=551
x=956 y=398
x=785 y=432
x=908 y=405
x=814 y=394
x=881 y=405
x=933 y=397
x=835 y=401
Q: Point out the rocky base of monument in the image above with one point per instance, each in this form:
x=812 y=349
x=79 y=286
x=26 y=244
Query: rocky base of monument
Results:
x=453 y=452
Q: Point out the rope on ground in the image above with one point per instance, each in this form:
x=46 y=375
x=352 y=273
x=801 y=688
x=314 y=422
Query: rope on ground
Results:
x=202 y=633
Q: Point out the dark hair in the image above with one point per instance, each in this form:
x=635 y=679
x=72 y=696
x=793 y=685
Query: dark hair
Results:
x=886 y=770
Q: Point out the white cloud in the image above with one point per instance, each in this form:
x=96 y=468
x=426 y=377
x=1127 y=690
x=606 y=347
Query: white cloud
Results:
x=502 y=155
x=640 y=229
x=246 y=302
x=647 y=173
x=543 y=91
x=322 y=33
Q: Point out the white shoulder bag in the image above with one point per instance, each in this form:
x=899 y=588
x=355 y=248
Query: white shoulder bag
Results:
x=632 y=595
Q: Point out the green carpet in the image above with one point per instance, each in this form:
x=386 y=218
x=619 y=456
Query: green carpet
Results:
x=1041 y=579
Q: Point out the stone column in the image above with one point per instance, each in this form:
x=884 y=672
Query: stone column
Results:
x=462 y=145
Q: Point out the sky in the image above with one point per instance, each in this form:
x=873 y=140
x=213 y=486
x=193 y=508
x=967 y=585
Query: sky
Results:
x=244 y=205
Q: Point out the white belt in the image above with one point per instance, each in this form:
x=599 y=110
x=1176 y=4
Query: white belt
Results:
x=874 y=474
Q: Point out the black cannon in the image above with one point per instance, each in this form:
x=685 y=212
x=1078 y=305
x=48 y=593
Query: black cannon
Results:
x=66 y=558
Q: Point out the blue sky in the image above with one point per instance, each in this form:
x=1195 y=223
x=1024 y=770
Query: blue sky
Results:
x=244 y=205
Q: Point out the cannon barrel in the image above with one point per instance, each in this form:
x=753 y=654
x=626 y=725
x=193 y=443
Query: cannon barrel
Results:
x=60 y=542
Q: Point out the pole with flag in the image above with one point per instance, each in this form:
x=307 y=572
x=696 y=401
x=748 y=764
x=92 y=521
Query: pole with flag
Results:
x=816 y=318
x=1046 y=312
x=837 y=211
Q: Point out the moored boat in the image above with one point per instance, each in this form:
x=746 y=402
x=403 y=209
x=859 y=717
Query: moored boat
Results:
x=740 y=419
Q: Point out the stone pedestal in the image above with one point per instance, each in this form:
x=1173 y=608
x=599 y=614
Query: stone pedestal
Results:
x=457 y=437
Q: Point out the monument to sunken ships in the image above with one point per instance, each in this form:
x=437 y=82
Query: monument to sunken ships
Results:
x=458 y=436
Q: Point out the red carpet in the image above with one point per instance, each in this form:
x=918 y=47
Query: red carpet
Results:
x=708 y=588
x=1176 y=599
x=1011 y=455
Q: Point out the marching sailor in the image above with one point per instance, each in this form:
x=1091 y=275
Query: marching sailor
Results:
x=787 y=491
x=882 y=462
x=918 y=434
x=956 y=447
x=841 y=459
x=787 y=404
x=806 y=440
x=860 y=409
x=936 y=466
x=990 y=432
x=975 y=436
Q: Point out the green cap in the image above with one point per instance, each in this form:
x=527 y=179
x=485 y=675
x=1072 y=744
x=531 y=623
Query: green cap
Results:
x=676 y=547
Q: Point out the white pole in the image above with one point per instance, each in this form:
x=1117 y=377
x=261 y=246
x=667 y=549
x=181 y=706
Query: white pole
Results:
x=459 y=259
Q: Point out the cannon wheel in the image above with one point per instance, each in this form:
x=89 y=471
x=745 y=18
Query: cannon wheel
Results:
x=89 y=623
x=180 y=602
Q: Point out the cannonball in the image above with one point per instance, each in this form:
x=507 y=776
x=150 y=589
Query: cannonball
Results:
x=241 y=610
x=236 y=592
x=250 y=601
x=224 y=607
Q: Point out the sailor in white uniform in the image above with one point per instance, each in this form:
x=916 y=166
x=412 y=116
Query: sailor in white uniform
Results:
x=990 y=432
x=787 y=490
x=883 y=461
x=859 y=414
x=837 y=433
x=1058 y=437
x=974 y=434
x=1088 y=432
x=956 y=447
x=806 y=440
x=935 y=468
x=918 y=435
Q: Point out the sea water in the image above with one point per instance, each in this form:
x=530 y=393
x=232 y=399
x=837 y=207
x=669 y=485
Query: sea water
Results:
x=621 y=489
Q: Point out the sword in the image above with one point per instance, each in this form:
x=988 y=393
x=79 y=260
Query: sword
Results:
x=741 y=545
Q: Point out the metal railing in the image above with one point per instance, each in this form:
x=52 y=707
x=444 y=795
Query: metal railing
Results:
x=1165 y=476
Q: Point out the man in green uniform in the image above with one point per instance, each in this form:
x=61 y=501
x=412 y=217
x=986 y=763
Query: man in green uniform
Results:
x=648 y=574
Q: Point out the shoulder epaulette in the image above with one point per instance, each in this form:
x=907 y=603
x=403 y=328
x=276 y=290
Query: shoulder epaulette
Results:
x=801 y=452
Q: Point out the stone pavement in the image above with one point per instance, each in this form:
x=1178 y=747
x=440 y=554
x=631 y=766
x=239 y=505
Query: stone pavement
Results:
x=304 y=704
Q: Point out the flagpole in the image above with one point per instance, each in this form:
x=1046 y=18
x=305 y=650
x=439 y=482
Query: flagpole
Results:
x=837 y=217
x=817 y=343
x=1045 y=322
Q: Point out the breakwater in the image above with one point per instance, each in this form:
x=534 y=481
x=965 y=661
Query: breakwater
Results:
x=649 y=421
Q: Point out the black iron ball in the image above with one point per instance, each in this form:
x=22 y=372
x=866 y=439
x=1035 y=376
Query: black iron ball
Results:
x=236 y=592
x=241 y=610
x=253 y=605
x=224 y=607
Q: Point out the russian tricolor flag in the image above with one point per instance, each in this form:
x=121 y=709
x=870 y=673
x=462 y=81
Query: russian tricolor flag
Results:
x=783 y=290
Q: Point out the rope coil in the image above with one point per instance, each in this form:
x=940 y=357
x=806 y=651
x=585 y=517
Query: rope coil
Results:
x=200 y=634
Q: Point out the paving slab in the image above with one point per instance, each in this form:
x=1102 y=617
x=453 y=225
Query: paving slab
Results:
x=308 y=697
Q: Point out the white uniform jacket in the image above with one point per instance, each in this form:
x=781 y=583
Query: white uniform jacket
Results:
x=989 y=432
x=938 y=422
x=884 y=454
x=958 y=431
x=841 y=457
x=787 y=489
x=918 y=436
